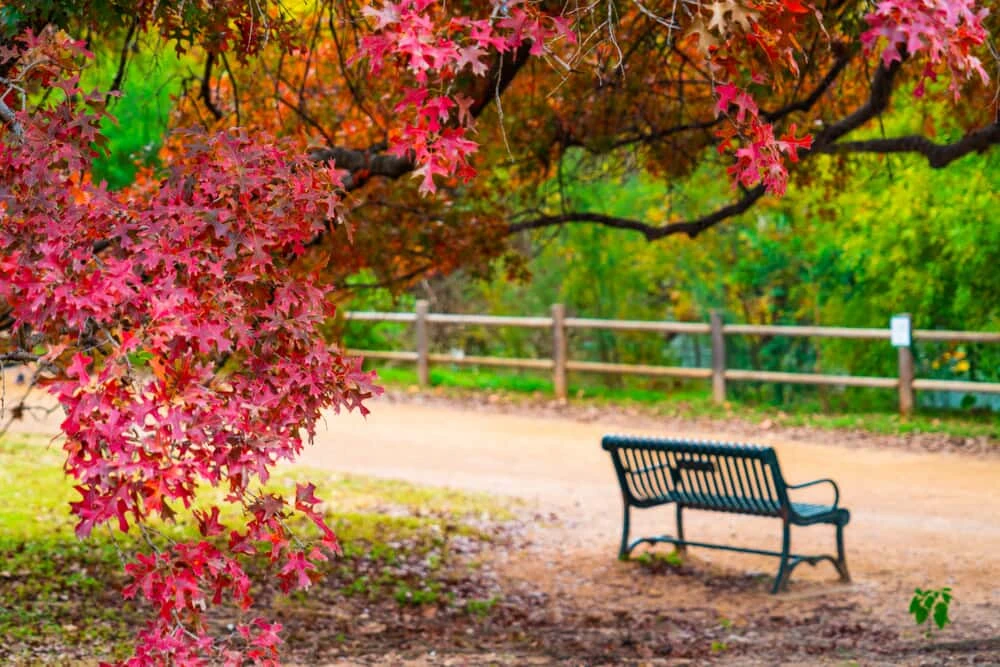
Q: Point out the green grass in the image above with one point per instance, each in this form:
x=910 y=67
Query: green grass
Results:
x=60 y=596
x=694 y=401
x=53 y=587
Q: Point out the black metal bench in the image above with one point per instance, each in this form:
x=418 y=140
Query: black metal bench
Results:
x=722 y=477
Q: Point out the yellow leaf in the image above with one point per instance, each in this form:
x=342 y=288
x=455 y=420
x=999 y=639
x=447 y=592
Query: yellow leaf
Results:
x=705 y=38
x=738 y=14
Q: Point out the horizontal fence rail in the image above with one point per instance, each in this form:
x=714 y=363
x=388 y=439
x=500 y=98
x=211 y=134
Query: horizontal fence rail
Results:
x=638 y=325
x=905 y=384
x=813 y=332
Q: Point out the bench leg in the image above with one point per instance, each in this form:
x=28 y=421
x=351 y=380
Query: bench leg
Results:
x=680 y=547
x=781 y=580
x=841 y=563
x=623 y=549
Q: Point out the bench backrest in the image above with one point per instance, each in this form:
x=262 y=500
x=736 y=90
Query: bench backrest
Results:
x=698 y=474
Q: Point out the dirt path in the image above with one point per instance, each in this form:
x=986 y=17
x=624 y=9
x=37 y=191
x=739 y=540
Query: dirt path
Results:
x=917 y=518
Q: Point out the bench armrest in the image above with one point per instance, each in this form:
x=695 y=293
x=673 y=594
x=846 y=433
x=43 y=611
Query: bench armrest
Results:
x=836 y=489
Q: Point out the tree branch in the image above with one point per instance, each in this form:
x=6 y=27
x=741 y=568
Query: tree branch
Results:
x=7 y=116
x=206 y=87
x=810 y=100
x=363 y=164
x=938 y=155
x=878 y=101
x=804 y=104
x=652 y=232
x=127 y=45
x=18 y=357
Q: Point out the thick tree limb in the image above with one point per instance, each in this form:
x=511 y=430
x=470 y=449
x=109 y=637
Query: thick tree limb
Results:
x=362 y=164
x=879 y=95
x=938 y=155
x=810 y=100
x=18 y=357
x=7 y=116
x=652 y=232
x=206 y=87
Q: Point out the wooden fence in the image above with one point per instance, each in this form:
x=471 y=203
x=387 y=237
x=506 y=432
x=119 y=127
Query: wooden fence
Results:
x=560 y=364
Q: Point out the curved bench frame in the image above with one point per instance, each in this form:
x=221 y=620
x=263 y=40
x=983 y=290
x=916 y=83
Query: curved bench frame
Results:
x=721 y=477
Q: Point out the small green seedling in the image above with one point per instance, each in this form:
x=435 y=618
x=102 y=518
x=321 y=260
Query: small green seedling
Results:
x=481 y=608
x=931 y=604
x=670 y=559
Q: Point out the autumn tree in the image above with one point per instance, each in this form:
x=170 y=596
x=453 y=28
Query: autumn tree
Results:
x=660 y=88
x=177 y=321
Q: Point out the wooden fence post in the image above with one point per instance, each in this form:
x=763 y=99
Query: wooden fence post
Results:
x=905 y=369
x=905 y=381
x=559 y=350
x=421 y=334
x=718 y=359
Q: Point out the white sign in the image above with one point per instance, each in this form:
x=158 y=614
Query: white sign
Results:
x=899 y=330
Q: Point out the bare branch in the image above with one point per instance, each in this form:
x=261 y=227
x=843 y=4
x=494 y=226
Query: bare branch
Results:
x=127 y=46
x=810 y=100
x=652 y=232
x=206 y=87
x=386 y=282
x=236 y=91
x=878 y=101
x=7 y=116
x=938 y=155
x=306 y=118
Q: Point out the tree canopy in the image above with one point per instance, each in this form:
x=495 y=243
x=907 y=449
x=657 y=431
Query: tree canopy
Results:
x=659 y=87
x=177 y=320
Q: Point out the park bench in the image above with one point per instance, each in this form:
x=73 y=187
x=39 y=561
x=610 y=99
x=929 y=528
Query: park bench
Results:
x=721 y=477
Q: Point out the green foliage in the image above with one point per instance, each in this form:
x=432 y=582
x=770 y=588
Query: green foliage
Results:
x=141 y=112
x=719 y=646
x=931 y=604
x=373 y=335
x=405 y=594
x=481 y=608
x=921 y=241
